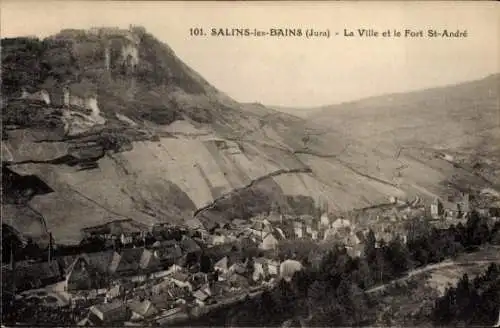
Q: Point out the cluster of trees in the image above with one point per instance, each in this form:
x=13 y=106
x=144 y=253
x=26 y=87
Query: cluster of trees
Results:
x=439 y=244
x=21 y=64
x=473 y=302
x=392 y=260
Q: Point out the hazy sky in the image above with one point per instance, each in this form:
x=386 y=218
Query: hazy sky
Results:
x=295 y=71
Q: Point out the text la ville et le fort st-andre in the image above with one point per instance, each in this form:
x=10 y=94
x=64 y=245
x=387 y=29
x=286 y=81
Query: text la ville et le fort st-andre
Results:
x=407 y=33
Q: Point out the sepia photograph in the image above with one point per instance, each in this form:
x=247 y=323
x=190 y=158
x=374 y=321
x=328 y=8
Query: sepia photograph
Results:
x=250 y=164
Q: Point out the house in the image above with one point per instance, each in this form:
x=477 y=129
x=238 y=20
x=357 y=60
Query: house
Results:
x=193 y=224
x=115 y=291
x=219 y=239
x=261 y=228
x=166 y=292
x=451 y=209
x=238 y=267
x=212 y=222
x=198 y=279
x=142 y=310
x=314 y=234
x=99 y=261
x=457 y=208
x=222 y=266
x=86 y=322
x=110 y=312
x=181 y=280
x=168 y=252
x=465 y=202
x=202 y=295
x=161 y=288
x=196 y=225
x=190 y=248
x=174 y=268
x=165 y=318
x=27 y=275
x=273 y=267
x=260 y=269
x=263 y=269
x=78 y=276
x=127 y=262
x=126 y=239
x=309 y=222
x=288 y=269
x=275 y=217
x=299 y=229
x=341 y=223
x=238 y=281
x=324 y=221
x=148 y=261
x=159 y=274
x=436 y=209
x=270 y=241
x=266 y=267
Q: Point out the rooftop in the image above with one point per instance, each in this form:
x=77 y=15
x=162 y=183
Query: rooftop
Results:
x=180 y=276
x=145 y=308
x=108 y=307
x=127 y=260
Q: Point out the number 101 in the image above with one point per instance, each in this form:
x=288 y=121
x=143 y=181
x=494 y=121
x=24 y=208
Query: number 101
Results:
x=196 y=31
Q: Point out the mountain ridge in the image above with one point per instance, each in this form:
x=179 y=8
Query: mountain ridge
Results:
x=311 y=111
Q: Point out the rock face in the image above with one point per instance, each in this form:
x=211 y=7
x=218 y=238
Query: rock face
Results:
x=150 y=140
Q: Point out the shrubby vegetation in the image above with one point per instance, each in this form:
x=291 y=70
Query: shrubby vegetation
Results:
x=473 y=302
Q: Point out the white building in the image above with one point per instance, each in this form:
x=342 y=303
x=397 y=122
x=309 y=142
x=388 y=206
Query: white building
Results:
x=324 y=220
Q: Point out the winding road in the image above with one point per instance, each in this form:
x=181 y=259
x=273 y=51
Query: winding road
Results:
x=427 y=269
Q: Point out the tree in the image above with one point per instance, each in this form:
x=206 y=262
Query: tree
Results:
x=477 y=230
x=399 y=256
x=370 y=245
x=469 y=303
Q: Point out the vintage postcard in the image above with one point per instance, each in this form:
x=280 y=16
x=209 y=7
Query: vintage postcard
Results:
x=277 y=164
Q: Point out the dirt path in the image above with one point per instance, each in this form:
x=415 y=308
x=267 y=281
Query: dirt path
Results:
x=427 y=269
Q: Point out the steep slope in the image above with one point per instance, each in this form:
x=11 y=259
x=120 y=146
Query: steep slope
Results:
x=455 y=116
x=109 y=124
x=460 y=120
